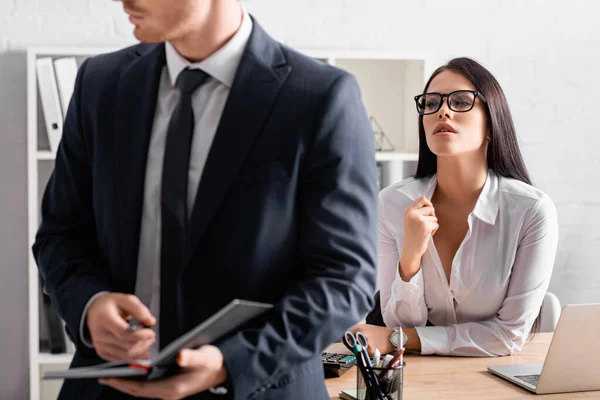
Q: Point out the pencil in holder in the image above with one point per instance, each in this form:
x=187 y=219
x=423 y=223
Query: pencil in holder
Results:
x=389 y=381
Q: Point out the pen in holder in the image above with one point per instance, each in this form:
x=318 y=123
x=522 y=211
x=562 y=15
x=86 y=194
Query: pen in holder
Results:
x=390 y=381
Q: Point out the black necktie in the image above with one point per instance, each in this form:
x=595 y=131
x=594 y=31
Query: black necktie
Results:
x=174 y=208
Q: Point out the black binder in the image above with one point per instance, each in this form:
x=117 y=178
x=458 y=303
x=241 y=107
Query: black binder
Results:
x=56 y=337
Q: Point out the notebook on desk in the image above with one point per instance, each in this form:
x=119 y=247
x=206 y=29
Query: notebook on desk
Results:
x=353 y=394
x=225 y=321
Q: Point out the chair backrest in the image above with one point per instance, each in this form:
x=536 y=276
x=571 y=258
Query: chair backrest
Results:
x=549 y=313
x=374 y=316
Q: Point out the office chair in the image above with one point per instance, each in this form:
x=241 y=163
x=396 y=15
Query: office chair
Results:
x=374 y=316
x=549 y=313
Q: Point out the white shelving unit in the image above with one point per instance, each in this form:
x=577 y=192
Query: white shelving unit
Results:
x=45 y=155
x=395 y=156
x=40 y=162
x=388 y=83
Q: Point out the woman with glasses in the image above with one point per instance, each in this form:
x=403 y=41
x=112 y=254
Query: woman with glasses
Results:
x=467 y=246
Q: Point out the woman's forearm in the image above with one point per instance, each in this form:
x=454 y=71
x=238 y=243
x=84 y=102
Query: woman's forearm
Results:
x=414 y=342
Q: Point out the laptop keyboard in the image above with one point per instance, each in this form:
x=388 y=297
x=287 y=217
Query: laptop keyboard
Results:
x=531 y=379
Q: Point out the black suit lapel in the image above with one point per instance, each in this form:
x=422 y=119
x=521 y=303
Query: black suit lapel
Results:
x=260 y=76
x=136 y=103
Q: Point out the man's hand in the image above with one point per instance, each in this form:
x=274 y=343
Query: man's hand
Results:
x=107 y=322
x=201 y=369
x=378 y=337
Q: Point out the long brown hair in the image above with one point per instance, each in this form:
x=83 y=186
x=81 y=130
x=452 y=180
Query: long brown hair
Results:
x=503 y=153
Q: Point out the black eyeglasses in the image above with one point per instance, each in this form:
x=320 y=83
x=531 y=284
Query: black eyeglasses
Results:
x=458 y=101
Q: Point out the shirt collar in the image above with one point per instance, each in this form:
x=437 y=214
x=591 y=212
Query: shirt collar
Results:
x=486 y=208
x=222 y=64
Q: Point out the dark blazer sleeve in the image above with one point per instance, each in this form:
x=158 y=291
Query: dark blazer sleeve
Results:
x=66 y=247
x=337 y=220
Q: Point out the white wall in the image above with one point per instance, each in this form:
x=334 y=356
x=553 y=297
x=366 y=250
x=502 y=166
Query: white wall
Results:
x=544 y=53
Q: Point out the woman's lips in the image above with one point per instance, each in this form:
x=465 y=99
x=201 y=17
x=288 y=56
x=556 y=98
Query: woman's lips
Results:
x=442 y=133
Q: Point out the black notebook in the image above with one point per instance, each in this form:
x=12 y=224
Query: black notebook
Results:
x=223 y=322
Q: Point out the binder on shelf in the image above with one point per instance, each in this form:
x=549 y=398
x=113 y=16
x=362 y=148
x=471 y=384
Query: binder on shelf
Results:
x=50 y=100
x=66 y=71
x=56 y=336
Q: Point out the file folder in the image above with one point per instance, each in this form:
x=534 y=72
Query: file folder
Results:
x=50 y=101
x=66 y=73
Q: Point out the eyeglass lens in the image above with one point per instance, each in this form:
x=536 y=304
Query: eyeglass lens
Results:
x=460 y=101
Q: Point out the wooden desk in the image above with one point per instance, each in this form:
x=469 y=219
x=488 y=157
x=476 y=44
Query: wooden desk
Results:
x=453 y=378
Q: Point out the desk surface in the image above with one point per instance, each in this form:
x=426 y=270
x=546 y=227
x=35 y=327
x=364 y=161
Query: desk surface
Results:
x=432 y=377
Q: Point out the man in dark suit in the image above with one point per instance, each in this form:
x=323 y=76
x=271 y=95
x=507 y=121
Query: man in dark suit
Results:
x=210 y=163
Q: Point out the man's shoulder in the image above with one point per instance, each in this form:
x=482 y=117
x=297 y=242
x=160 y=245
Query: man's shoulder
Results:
x=306 y=72
x=108 y=63
x=308 y=69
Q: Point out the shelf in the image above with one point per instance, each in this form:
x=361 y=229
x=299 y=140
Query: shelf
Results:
x=365 y=54
x=45 y=155
x=47 y=358
x=68 y=51
x=395 y=156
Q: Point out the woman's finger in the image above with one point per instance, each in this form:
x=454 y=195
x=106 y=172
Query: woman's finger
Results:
x=422 y=202
x=432 y=227
x=427 y=210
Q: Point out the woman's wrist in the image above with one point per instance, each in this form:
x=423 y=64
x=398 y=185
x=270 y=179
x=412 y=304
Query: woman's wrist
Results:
x=408 y=267
x=389 y=347
x=414 y=342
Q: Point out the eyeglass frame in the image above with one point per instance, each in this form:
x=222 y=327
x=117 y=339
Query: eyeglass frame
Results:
x=475 y=93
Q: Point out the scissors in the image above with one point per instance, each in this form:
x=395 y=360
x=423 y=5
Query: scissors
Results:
x=358 y=344
x=355 y=343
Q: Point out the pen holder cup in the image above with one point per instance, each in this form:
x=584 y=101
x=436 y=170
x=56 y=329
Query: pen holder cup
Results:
x=390 y=381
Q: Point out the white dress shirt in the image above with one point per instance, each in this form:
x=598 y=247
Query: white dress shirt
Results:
x=499 y=275
x=208 y=102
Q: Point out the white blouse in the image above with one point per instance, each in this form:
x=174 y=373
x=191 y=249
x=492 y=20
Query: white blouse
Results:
x=499 y=276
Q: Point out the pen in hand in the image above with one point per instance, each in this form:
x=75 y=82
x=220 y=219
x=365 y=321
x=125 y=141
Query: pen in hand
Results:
x=135 y=325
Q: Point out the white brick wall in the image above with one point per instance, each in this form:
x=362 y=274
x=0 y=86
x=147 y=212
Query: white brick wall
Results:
x=545 y=53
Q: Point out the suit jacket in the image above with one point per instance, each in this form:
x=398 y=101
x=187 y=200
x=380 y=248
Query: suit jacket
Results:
x=286 y=210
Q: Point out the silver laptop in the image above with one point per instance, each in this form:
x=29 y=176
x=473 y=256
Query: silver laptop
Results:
x=571 y=364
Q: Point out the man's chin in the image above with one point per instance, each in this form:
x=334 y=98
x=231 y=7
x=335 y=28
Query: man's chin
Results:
x=147 y=37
